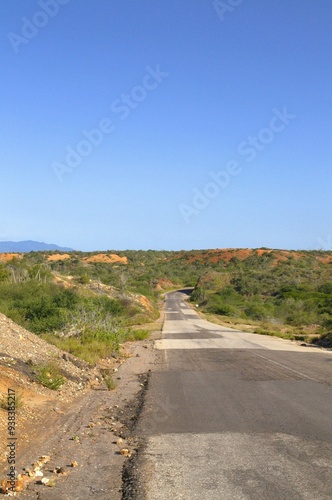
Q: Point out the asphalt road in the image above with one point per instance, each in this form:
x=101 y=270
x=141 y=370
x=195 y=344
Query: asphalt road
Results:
x=234 y=415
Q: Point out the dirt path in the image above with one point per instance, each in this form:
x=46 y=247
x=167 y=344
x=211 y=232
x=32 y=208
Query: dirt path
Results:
x=85 y=442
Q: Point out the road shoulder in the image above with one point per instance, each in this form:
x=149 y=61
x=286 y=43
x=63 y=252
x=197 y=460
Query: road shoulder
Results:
x=87 y=445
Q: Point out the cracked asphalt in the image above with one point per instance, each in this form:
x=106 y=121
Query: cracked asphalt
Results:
x=234 y=415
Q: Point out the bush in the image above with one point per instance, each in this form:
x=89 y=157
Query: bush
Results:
x=109 y=381
x=325 y=288
x=39 y=307
x=4 y=273
x=197 y=295
x=324 y=340
x=110 y=306
x=256 y=312
x=216 y=306
x=138 y=335
x=84 y=279
x=43 y=314
x=49 y=375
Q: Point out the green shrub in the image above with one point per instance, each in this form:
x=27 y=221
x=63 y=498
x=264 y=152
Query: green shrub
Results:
x=217 y=306
x=49 y=375
x=138 y=335
x=84 y=279
x=40 y=307
x=325 y=288
x=4 y=273
x=198 y=295
x=109 y=382
x=256 y=312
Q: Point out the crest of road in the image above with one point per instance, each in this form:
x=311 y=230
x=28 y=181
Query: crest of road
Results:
x=233 y=415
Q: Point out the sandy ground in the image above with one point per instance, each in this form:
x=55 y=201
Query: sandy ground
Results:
x=84 y=440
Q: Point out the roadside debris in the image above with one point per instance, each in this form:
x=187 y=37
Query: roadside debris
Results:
x=125 y=452
x=34 y=474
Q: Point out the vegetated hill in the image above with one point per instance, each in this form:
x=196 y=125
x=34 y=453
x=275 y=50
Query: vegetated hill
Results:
x=226 y=255
x=80 y=306
x=29 y=246
x=284 y=293
x=274 y=289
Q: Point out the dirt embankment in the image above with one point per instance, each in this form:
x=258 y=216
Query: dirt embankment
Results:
x=84 y=431
x=22 y=354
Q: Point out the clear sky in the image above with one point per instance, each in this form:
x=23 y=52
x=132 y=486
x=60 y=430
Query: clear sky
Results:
x=167 y=124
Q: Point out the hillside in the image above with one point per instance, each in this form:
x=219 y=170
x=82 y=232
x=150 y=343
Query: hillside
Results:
x=63 y=433
x=227 y=255
x=273 y=292
x=279 y=291
x=22 y=356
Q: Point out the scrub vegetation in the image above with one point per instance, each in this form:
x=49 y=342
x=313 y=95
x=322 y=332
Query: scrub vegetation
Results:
x=89 y=303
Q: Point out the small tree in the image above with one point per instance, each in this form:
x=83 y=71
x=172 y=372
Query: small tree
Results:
x=4 y=273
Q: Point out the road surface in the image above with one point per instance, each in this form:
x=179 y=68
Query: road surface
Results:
x=234 y=415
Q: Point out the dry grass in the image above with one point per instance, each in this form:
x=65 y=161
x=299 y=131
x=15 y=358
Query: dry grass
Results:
x=306 y=334
x=19 y=401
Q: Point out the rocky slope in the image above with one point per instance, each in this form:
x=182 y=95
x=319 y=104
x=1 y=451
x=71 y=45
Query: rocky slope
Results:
x=21 y=355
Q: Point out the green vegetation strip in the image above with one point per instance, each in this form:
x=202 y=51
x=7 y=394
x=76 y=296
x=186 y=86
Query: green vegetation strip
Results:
x=90 y=308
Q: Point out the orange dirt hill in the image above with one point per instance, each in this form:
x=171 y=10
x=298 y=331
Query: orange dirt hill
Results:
x=106 y=258
x=58 y=256
x=6 y=257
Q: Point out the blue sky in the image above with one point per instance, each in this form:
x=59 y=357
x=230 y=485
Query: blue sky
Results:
x=120 y=117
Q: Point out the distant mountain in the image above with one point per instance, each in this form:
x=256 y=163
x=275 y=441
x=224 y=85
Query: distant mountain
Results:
x=29 y=246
